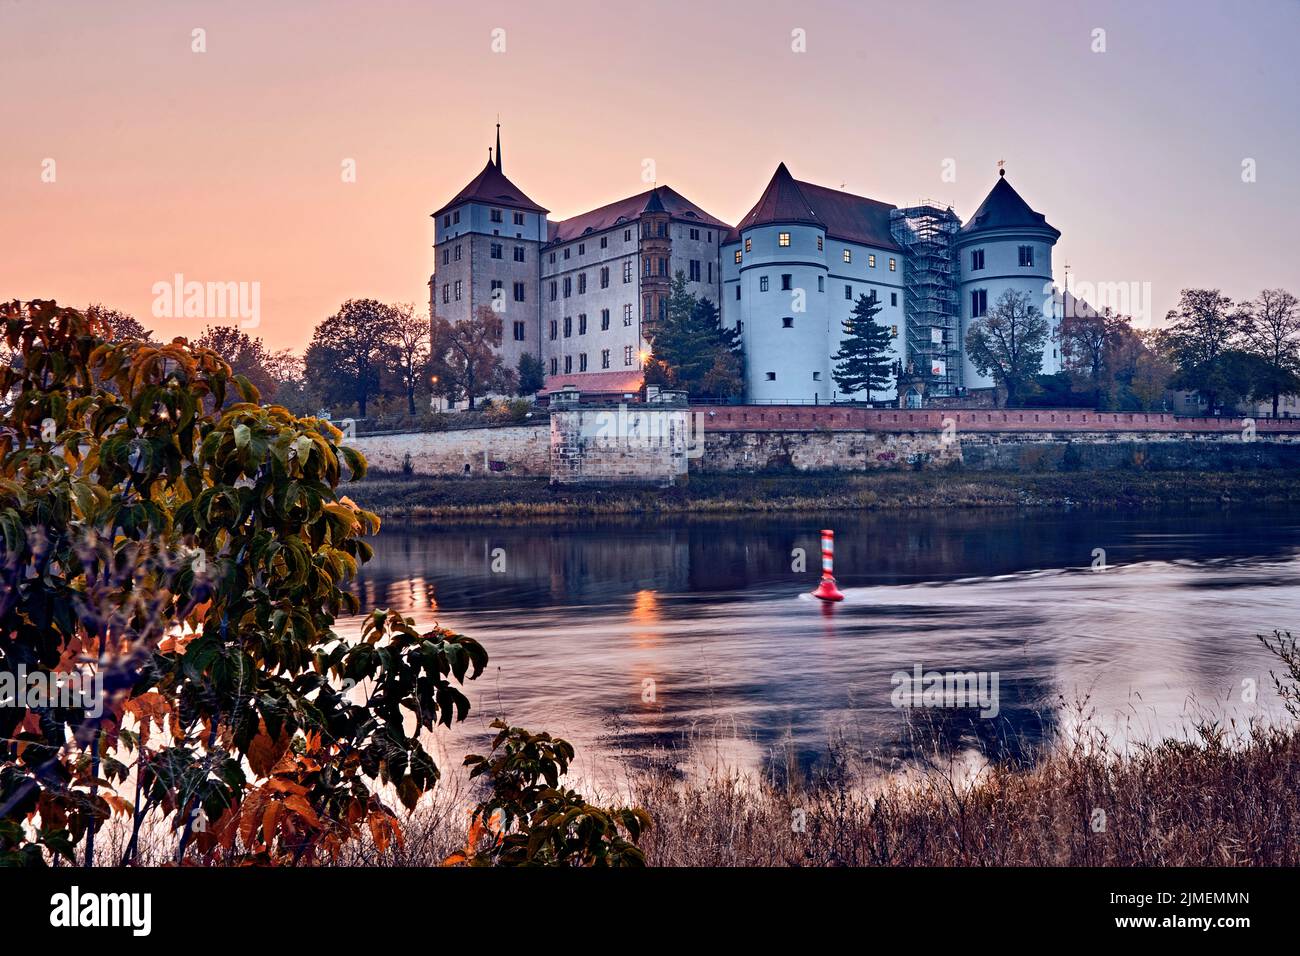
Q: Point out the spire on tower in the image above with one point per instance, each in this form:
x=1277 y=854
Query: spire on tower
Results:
x=498 y=144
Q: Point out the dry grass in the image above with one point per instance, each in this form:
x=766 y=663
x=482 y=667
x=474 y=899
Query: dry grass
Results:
x=422 y=497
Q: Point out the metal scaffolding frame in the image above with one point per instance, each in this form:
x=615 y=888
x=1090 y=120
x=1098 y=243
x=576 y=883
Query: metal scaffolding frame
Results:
x=927 y=232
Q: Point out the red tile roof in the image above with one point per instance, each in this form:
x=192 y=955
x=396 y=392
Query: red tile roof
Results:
x=491 y=186
x=1003 y=208
x=629 y=209
x=604 y=383
x=843 y=215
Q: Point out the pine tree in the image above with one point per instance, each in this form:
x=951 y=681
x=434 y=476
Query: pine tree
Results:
x=864 y=363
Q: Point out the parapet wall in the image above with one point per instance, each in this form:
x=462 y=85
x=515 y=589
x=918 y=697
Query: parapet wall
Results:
x=640 y=443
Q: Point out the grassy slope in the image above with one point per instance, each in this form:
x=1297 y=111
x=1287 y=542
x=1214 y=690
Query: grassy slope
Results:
x=401 y=496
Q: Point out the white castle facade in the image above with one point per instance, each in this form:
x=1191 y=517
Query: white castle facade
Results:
x=579 y=292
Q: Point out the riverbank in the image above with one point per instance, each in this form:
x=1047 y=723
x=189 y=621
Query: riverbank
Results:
x=421 y=497
x=1210 y=801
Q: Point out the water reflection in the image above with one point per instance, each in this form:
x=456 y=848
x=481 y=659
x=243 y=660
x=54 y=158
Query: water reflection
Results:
x=631 y=636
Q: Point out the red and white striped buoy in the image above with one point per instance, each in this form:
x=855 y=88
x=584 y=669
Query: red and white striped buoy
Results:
x=827 y=590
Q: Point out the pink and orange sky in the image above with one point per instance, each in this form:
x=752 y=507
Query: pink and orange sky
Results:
x=225 y=165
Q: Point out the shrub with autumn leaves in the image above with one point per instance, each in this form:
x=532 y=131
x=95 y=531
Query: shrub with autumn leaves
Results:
x=185 y=546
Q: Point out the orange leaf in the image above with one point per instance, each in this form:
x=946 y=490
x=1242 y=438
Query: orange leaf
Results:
x=299 y=805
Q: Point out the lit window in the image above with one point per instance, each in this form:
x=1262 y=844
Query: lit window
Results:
x=893 y=265
x=738 y=257
x=848 y=255
x=748 y=245
x=819 y=243
x=783 y=239
x=762 y=283
x=871 y=261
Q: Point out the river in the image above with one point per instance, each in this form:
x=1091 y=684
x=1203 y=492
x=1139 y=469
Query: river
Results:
x=641 y=638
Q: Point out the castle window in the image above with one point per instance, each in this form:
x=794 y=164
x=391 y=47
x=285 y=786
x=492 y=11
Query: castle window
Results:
x=694 y=268
x=740 y=326
x=821 y=283
x=648 y=265
x=979 y=303
x=976 y=259
x=568 y=326
x=604 y=358
x=604 y=242
x=819 y=243
x=1026 y=255
x=555 y=366
x=455 y=253
x=848 y=255
x=446 y=221
x=446 y=293
x=519 y=253
x=787 y=322
x=568 y=364
x=783 y=239
x=519 y=219
x=663 y=266
x=770 y=376
x=604 y=277
x=737 y=291
x=554 y=290
x=893 y=331
x=848 y=292
x=695 y=234
x=582 y=361
x=457 y=290
x=552 y=257
x=893 y=298
x=762 y=283
x=582 y=283
x=582 y=323
x=871 y=261
x=455 y=218
x=568 y=286
x=519 y=331
x=604 y=320
x=627 y=271
x=627 y=314
x=496 y=216
x=787 y=281
x=519 y=292
x=709 y=233
x=748 y=246
x=817 y=376
x=553 y=329
x=627 y=355
x=446 y=256
x=710 y=272
x=738 y=253
x=627 y=235
x=582 y=248
x=495 y=251
x=893 y=265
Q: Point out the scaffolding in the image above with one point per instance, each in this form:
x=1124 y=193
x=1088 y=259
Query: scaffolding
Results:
x=927 y=232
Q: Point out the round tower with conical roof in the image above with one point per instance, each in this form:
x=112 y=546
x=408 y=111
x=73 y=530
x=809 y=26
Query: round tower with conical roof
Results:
x=1006 y=245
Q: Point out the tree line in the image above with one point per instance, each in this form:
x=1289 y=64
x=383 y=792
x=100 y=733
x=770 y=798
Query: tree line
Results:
x=1225 y=352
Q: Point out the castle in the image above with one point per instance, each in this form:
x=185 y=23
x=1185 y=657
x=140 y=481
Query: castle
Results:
x=578 y=292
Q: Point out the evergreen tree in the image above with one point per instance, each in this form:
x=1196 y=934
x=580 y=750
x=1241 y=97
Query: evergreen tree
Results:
x=531 y=374
x=691 y=349
x=864 y=363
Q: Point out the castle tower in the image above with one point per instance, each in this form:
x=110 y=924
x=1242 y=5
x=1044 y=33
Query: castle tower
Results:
x=656 y=255
x=487 y=243
x=1006 y=245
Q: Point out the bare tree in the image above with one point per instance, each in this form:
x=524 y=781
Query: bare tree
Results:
x=411 y=351
x=1008 y=342
x=1272 y=332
